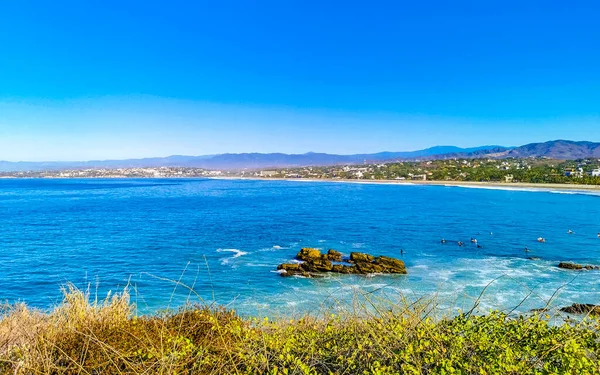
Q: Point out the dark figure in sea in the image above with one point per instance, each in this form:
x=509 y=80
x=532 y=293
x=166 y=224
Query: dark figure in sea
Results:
x=444 y=241
x=479 y=246
x=526 y=250
x=460 y=243
x=401 y=251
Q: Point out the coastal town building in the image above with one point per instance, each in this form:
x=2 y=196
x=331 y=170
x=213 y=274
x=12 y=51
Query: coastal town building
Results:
x=537 y=170
x=574 y=172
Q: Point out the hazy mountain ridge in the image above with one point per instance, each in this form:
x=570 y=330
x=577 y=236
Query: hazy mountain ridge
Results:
x=559 y=149
x=242 y=160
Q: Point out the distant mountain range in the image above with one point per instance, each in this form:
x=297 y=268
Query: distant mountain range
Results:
x=559 y=149
x=567 y=150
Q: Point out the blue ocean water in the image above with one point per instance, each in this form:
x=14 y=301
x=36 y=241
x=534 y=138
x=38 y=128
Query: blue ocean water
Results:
x=224 y=239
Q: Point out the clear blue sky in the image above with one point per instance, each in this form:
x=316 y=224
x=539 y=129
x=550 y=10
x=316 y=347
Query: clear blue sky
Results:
x=117 y=79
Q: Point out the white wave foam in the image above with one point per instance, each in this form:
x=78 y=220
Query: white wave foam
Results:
x=528 y=189
x=258 y=265
x=365 y=182
x=507 y=188
x=576 y=192
x=237 y=253
x=272 y=248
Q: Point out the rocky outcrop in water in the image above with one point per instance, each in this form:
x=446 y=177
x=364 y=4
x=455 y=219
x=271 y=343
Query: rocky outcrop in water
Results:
x=582 y=308
x=575 y=266
x=314 y=263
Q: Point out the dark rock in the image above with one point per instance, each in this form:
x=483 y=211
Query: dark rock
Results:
x=575 y=266
x=368 y=267
x=582 y=308
x=570 y=266
x=315 y=263
x=333 y=255
x=390 y=265
x=349 y=269
x=337 y=268
x=308 y=253
x=341 y=268
x=361 y=257
x=289 y=267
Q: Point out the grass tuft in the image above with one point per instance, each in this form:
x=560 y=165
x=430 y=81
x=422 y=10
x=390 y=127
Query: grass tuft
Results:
x=81 y=336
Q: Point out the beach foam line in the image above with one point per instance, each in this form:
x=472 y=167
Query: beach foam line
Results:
x=528 y=189
x=508 y=188
x=541 y=189
x=576 y=192
x=237 y=253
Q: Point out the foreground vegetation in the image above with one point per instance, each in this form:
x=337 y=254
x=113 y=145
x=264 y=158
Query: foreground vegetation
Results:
x=80 y=337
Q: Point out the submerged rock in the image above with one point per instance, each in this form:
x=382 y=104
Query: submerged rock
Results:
x=582 y=308
x=314 y=263
x=540 y=310
x=575 y=266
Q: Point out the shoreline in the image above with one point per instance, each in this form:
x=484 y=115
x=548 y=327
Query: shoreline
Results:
x=465 y=184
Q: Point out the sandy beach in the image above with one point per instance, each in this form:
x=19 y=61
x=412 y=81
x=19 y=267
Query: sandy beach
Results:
x=472 y=184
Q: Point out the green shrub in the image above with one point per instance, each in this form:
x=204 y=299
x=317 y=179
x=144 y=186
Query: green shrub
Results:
x=79 y=337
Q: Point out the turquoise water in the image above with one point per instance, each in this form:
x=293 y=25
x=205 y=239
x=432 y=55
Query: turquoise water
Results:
x=226 y=237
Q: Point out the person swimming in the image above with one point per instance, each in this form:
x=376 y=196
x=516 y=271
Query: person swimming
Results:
x=570 y=231
x=526 y=250
x=460 y=243
x=401 y=251
x=444 y=241
x=541 y=239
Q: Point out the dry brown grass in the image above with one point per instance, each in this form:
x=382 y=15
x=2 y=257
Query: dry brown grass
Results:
x=106 y=337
